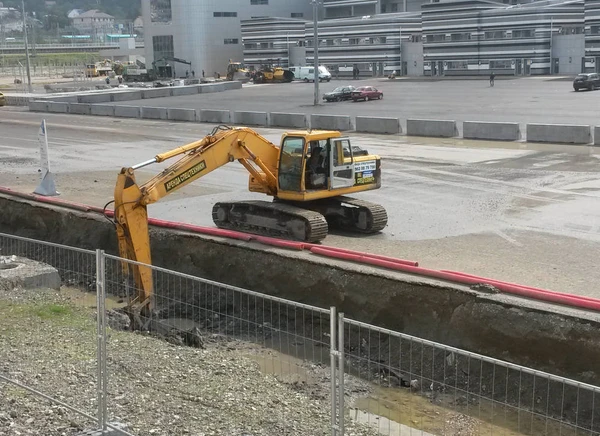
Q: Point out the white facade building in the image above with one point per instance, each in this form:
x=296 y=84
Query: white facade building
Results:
x=207 y=33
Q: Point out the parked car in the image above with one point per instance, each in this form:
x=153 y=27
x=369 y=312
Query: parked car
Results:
x=366 y=93
x=589 y=81
x=2 y=99
x=340 y=93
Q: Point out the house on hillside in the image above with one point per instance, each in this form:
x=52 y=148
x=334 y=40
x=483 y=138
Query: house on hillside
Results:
x=94 y=23
x=74 y=13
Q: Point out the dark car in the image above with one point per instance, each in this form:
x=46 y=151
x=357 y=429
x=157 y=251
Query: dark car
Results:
x=589 y=81
x=366 y=93
x=340 y=93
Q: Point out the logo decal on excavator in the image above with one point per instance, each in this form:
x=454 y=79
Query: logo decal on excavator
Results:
x=184 y=176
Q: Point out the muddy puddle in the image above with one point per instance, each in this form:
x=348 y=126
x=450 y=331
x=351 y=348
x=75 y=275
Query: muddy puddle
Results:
x=88 y=299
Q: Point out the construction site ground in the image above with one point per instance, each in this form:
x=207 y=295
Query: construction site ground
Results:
x=512 y=211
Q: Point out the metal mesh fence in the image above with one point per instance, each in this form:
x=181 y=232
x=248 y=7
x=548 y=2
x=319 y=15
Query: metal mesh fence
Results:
x=436 y=389
x=47 y=339
x=261 y=335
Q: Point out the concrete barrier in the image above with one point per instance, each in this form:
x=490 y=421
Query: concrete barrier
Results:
x=154 y=113
x=93 y=98
x=330 y=122
x=212 y=87
x=378 y=125
x=58 y=107
x=229 y=86
x=38 y=106
x=491 y=131
x=215 y=116
x=278 y=119
x=559 y=133
x=251 y=118
x=184 y=90
x=14 y=100
x=596 y=133
x=80 y=108
x=65 y=99
x=436 y=128
x=181 y=114
x=127 y=111
x=126 y=96
x=157 y=92
x=106 y=110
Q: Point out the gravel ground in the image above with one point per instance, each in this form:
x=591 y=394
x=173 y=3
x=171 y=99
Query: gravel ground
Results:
x=47 y=342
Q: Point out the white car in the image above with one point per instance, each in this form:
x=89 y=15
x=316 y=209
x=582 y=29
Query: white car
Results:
x=308 y=74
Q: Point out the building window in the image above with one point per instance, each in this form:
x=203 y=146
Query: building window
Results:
x=595 y=30
x=499 y=65
x=160 y=11
x=460 y=36
x=259 y=2
x=297 y=15
x=526 y=33
x=497 y=34
x=440 y=37
x=224 y=14
x=230 y=41
x=457 y=65
x=163 y=46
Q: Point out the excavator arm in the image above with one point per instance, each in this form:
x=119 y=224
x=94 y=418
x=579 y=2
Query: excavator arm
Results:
x=223 y=145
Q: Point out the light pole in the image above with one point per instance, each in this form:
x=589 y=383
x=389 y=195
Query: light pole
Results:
x=26 y=46
x=315 y=4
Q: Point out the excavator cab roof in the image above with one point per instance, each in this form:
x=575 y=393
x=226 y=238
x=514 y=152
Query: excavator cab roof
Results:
x=313 y=135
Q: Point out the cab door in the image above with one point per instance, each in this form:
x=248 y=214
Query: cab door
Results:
x=341 y=164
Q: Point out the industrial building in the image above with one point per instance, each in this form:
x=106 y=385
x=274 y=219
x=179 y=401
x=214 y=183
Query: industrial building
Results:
x=411 y=37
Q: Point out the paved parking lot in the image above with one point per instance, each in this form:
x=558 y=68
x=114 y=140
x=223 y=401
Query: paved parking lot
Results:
x=523 y=100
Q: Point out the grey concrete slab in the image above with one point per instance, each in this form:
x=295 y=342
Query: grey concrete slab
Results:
x=94 y=98
x=107 y=110
x=278 y=119
x=38 y=106
x=126 y=95
x=181 y=114
x=156 y=92
x=127 y=111
x=377 y=125
x=250 y=118
x=559 y=133
x=80 y=108
x=330 y=122
x=215 y=116
x=184 y=90
x=154 y=113
x=58 y=107
x=491 y=131
x=432 y=128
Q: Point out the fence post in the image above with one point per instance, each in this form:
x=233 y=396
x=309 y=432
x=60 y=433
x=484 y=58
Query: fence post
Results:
x=333 y=355
x=341 y=372
x=101 y=338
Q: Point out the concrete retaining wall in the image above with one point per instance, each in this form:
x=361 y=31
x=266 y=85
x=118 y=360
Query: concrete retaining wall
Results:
x=58 y=107
x=126 y=95
x=229 y=86
x=596 y=135
x=154 y=113
x=181 y=114
x=38 y=106
x=378 y=125
x=559 y=133
x=80 y=108
x=94 y=98
x=13 y=100
x=540 y=335
x=215 y=116
x=212 y=87
x=491 y=131
x=278 y=119
x=251 y=118
x=65 y=99
x=106 y=110
x=330 y=122
x=156 y=92
x=433 y=128
x=127 y=111
x=184 y=90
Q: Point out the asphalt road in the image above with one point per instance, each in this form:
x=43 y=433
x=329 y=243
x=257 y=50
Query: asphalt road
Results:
x=523 y=100
x=511 y=211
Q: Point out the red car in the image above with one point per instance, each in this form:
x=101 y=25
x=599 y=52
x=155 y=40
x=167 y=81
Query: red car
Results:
x=366 y=93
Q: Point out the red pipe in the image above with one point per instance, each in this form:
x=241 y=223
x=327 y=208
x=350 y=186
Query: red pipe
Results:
x=292 y=245
x=360 y=253
x=570 y=300
x=198 y=229
x=531 y=288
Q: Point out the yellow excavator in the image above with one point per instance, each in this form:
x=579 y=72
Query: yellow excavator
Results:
x=270 y=74
x=308 y=176
x=237 y=71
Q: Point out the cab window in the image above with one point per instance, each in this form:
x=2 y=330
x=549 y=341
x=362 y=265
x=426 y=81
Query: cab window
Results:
x=290 y=164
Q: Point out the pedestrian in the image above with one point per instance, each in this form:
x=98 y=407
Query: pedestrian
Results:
x=187 y=74
x=492 y=77
x=120 y=80
x=202 y=73
x=107 y=80
x=193 y=74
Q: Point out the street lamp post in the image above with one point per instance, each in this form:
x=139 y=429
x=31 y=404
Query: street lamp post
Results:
x=315 y=4
x=26 y=47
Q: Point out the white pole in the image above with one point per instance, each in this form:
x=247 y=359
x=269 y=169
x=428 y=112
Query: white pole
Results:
x=26 y=46
x=316 y=44
x=551 y=60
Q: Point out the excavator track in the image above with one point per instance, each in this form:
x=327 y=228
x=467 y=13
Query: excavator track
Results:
x=360 y=216
x=274 y=219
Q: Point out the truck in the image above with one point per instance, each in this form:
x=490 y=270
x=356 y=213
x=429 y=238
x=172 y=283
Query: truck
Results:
x=308 y=73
